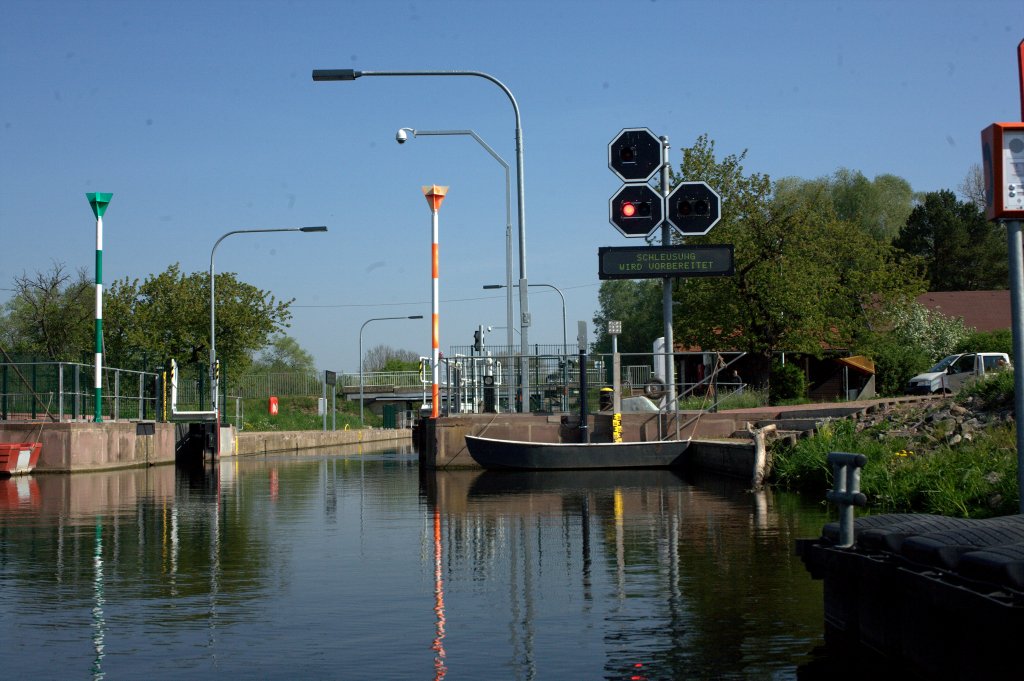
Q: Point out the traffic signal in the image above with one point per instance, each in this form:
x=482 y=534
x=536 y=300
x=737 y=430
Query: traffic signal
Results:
x=477 y=340
x=635 y=209
x=693 y=208
x=685 y=207
x=635 y=154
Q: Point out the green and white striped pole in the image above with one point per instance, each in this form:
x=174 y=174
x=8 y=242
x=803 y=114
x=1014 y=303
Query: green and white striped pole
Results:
x=99 y=202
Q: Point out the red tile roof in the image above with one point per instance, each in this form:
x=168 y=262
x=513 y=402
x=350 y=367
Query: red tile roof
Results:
x=982 y=310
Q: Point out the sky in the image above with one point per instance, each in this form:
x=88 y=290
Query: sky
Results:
x=202 y=118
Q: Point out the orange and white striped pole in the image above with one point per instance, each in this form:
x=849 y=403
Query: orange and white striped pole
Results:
x=435 y=195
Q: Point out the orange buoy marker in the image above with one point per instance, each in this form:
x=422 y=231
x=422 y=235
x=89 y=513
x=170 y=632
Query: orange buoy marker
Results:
x=435 y=196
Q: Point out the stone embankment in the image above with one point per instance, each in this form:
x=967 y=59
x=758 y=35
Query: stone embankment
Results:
x=927 y=425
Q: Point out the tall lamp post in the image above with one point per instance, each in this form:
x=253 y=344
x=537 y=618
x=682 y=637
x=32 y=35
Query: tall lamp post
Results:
x=375 y=319
x=524 y=307
x=213 y=310
x=401 y=137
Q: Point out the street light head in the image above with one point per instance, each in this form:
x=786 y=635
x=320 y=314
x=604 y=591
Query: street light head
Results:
x=416 y=316
x=493 y=286
x=403 y=134
x=321 y=228
x=335 y=74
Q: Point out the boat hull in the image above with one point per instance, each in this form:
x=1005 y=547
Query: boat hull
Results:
x=516 y=455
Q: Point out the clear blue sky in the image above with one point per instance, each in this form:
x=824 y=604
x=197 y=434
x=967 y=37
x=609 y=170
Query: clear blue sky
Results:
x=202 y=117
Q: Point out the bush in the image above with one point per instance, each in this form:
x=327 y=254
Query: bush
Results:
x=787 y=383
x=987 y=341
x=995 y=390
x=896 y=362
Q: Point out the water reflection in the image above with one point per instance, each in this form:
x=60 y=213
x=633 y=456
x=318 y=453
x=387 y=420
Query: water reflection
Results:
x=685 y=578
x=358 y=563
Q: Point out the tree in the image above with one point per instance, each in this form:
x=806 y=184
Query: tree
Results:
x=805 y=280
x=878 y=207
x=637 y=304
x=52 y=315
x=283 y=353
x=387 y=358
x=912 y=339
x=972 y=189
x=962 y=250
x=168 y=316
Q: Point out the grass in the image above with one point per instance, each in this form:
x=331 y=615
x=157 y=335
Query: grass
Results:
x=976 y=480
x=300 y=413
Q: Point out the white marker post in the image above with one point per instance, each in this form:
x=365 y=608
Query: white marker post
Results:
x=99 y=202
x=435 y=196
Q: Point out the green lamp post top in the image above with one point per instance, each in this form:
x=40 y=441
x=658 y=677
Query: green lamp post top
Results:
x=99 y=201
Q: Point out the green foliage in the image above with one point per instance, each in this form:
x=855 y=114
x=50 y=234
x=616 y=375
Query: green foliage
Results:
x=52 y=315
x=896 y=362
x=637 y=304
x=878 y=207
x=386 y=358
x=976 y=479
x=962 y=250
x=914 y=339
x=995 y=390
x=300 y=413
x=283 y=354
x=987 y=341
x=936 y=334
x=804 y=278
x=787 y=383
x=168 y=316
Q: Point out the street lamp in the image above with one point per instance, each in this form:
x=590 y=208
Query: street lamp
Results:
x=213 y=329
x=375 y=319
x=401 y=136
x=557 y=290
x=524 y=307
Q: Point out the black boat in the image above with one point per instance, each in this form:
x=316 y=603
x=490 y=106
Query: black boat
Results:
x=518 y=455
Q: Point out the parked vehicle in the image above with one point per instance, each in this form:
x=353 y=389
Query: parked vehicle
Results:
x=953 y=371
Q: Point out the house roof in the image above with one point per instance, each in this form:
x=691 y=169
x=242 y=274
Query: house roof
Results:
x=982 y=310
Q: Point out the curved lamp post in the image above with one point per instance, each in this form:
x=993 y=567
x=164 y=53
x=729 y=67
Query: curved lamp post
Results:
x=375 y=319
x=524 y=307
x=213 y=312
x=559 y=292
x=401 y=137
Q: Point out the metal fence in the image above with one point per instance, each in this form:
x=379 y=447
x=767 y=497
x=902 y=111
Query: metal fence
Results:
x=65 y=391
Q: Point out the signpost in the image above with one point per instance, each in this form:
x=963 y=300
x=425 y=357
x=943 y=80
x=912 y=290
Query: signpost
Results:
x=635 y=155
x=99 y=202
x=650 y=262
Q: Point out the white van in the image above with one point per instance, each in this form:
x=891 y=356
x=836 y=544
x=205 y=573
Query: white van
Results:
x=952 y=372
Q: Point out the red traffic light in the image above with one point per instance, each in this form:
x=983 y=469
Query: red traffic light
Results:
x=636 y=209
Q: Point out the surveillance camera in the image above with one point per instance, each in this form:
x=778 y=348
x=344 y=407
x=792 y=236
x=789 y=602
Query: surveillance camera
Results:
x=401 y=136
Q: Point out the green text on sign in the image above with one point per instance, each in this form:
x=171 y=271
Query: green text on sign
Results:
x=648 y=262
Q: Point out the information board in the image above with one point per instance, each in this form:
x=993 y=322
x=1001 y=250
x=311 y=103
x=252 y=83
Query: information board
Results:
x=649 y=262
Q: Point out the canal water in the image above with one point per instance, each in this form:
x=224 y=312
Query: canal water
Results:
x=356 y=564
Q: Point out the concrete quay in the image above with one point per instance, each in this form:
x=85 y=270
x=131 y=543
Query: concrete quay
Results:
x=73 y=447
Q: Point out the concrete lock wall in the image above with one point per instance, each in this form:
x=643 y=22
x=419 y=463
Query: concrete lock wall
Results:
x=247 y=444
x=69 y=447
x=81 y=446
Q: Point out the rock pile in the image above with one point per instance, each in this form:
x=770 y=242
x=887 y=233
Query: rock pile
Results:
x=935 y=422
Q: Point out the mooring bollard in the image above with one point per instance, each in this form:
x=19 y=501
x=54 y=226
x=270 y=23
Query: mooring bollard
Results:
x=845 y=492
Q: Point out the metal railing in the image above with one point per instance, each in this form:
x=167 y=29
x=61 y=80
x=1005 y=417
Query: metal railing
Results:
x=65 y=391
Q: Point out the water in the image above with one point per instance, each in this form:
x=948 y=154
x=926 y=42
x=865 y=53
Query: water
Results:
x=356 y=565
